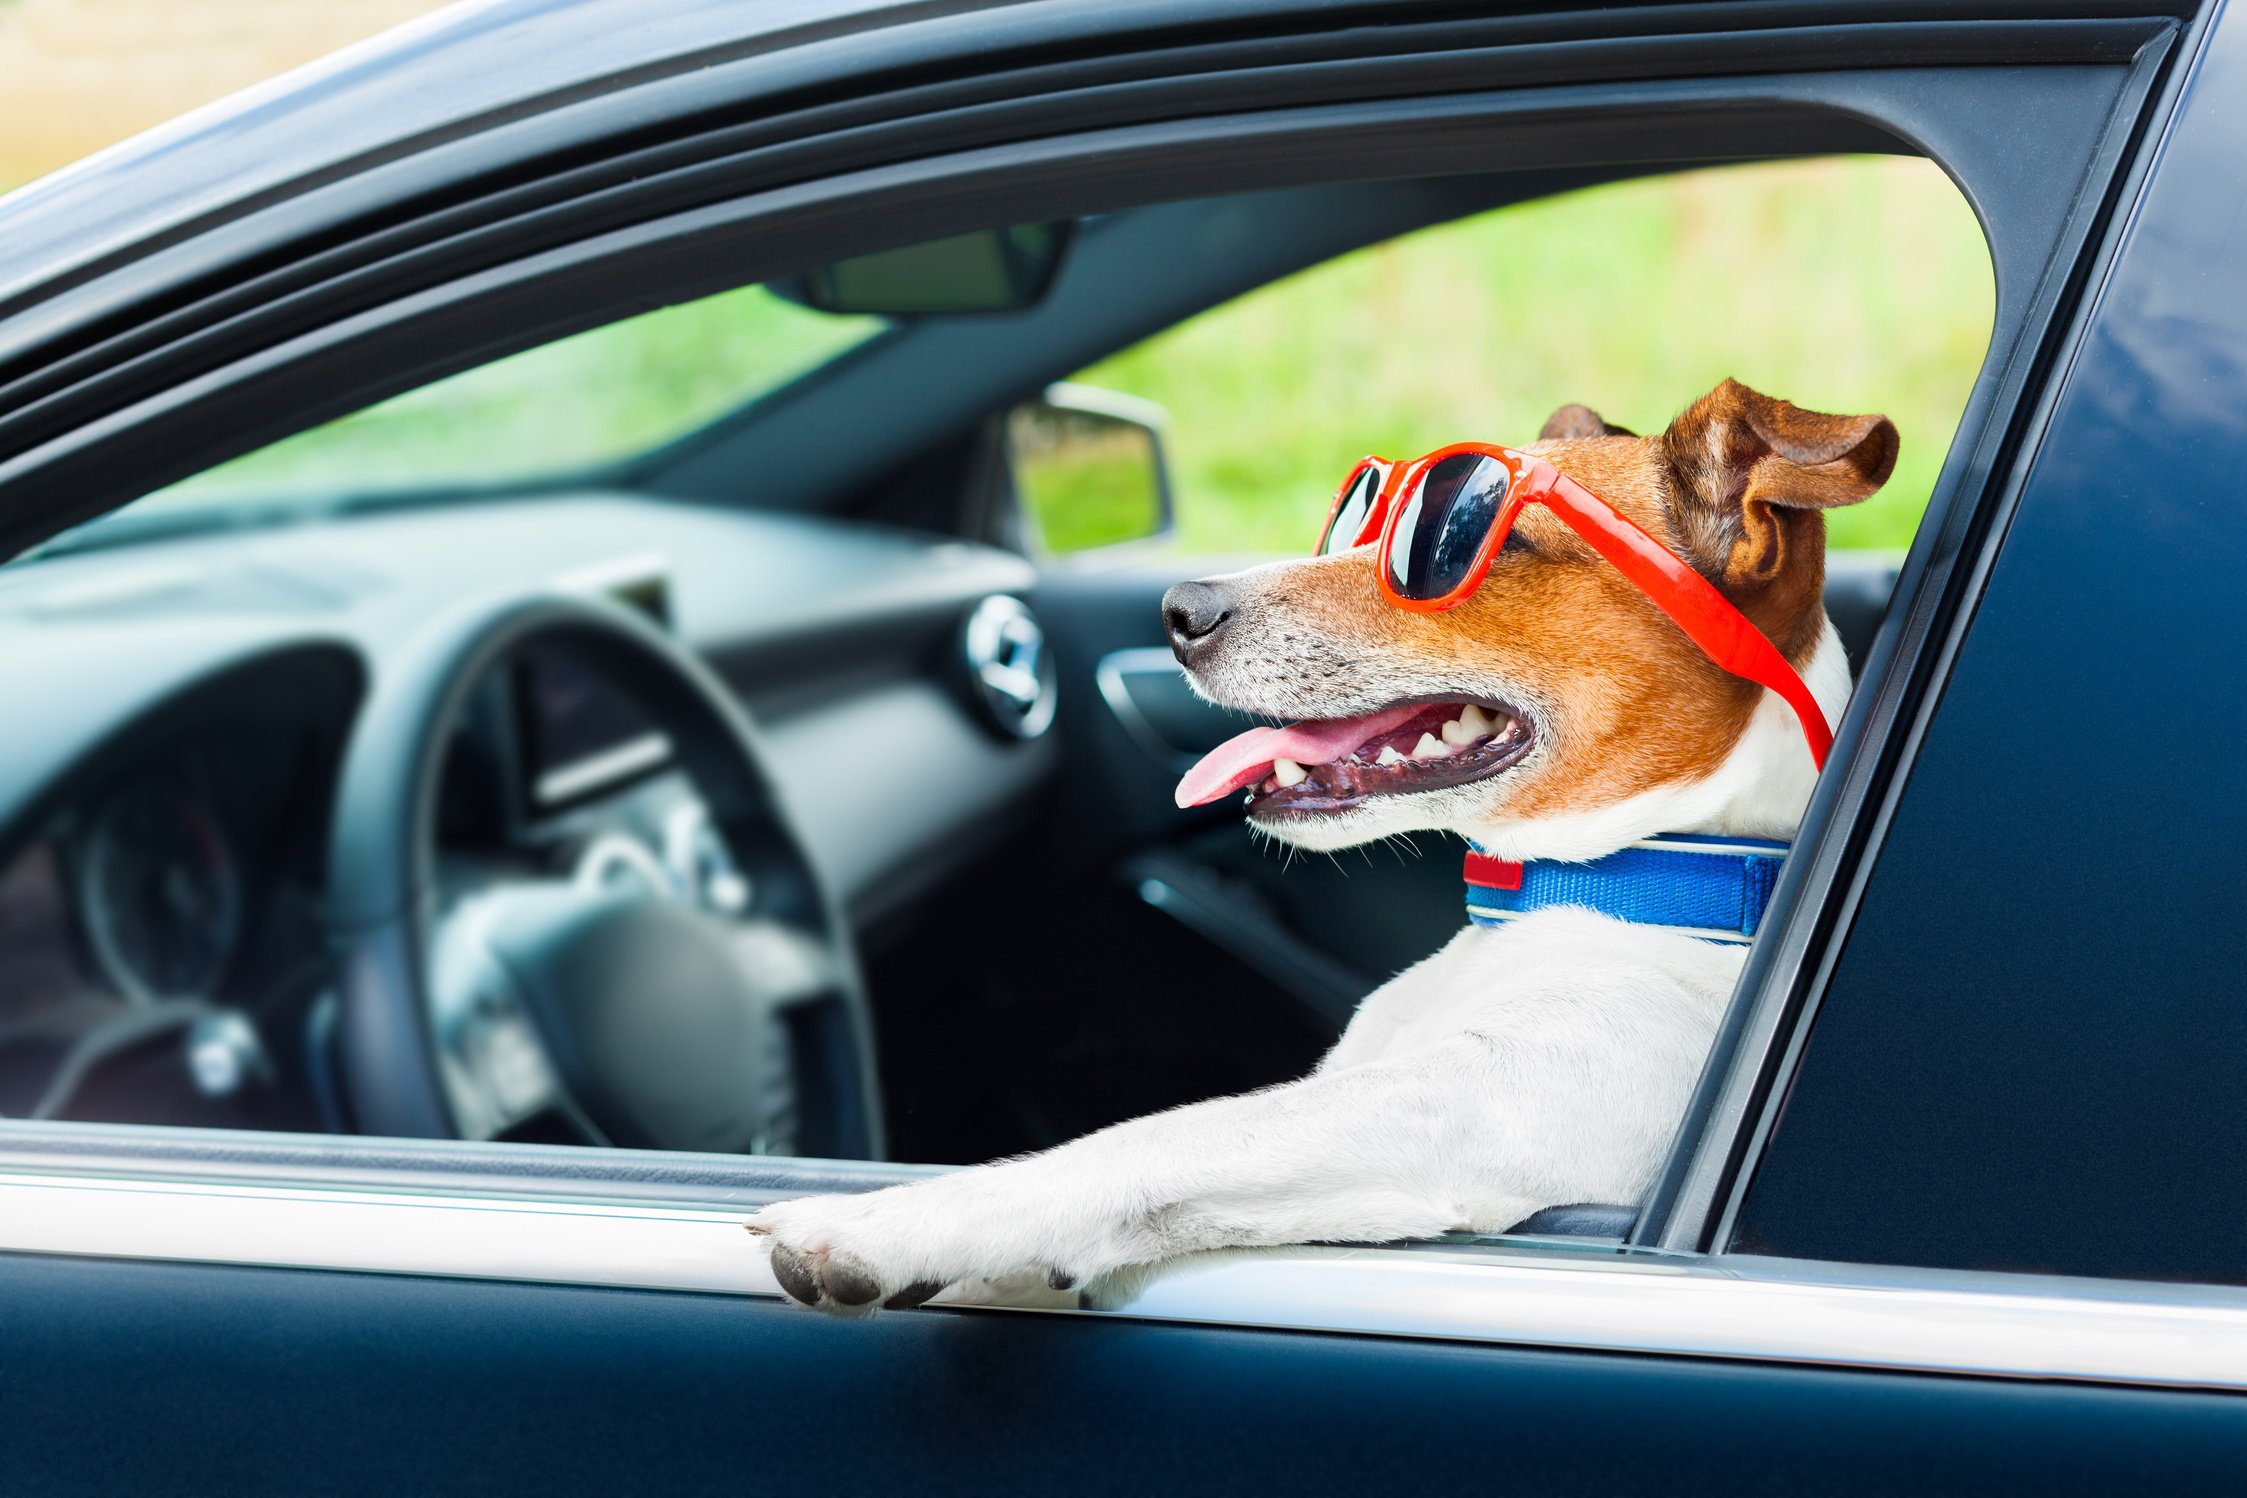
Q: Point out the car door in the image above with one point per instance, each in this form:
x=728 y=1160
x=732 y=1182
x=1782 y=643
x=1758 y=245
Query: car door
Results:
x=250 y=1313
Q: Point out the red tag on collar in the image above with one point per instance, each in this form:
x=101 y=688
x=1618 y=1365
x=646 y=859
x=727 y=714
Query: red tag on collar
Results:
x=1492 y=873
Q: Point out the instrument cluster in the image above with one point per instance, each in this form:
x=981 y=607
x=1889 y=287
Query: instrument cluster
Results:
x=159 y=893
x=169 y=909
x=136 y=896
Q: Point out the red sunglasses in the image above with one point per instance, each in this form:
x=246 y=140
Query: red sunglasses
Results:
x=1441 y=521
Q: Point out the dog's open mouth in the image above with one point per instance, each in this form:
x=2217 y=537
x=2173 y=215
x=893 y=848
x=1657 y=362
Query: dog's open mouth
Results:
x=1333 y=763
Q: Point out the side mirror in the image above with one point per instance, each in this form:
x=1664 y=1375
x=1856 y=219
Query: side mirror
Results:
x=1089 y=468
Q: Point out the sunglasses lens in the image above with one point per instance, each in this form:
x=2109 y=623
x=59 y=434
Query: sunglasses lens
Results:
x=1446 y=516
x=1349 y=516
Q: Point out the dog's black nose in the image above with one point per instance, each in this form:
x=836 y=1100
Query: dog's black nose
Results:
x=1193 y=612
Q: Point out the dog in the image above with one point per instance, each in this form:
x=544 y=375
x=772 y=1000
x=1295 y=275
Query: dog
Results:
x=1535 y=1061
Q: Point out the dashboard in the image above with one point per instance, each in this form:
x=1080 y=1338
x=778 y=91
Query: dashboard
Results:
x=165 y=814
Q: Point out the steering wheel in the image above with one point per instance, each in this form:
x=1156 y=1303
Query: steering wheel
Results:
x=639 y=1016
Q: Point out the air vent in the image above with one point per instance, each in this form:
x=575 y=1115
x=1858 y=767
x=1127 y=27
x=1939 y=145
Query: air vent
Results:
x=1010 y=671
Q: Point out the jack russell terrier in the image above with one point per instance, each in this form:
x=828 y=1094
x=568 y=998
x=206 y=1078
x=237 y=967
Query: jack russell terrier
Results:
x=1605 y=661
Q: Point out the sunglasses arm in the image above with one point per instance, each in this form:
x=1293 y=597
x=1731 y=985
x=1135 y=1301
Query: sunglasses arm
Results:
x=1692 y=602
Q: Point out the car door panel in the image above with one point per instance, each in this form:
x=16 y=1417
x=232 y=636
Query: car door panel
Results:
x=161 y=1377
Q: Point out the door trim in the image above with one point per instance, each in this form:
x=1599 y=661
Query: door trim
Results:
x=1581 y=1298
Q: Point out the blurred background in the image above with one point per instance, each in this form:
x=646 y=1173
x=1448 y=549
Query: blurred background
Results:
x=1846 y=284
x=77 y=75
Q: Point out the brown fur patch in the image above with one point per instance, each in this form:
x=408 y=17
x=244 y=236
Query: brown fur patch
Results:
x=1749 y=476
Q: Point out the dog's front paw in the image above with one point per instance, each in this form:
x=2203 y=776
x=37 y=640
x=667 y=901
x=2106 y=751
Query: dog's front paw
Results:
x=830 y=1252
x=899 y=1247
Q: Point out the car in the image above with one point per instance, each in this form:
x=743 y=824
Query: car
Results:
x=495 y=884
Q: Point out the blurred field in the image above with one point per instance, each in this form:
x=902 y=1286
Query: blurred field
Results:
x=77 y=75
x=1858 y=284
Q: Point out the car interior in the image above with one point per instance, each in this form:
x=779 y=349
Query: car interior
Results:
x=792 y=778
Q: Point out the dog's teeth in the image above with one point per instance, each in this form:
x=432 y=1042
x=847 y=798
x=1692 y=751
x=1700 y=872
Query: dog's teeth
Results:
x=1475 y=722
x=1287 y=772
x=1388 y=756
x=1429 y=748
x=1457 y=734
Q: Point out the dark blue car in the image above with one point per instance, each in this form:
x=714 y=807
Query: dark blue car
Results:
x=312 y=1179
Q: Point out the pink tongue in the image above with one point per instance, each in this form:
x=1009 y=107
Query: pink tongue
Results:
x=1248 y=757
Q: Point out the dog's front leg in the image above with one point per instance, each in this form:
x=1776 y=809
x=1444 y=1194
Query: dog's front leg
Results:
x=1402 y=1148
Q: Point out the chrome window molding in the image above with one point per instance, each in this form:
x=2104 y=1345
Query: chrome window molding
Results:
x=1738 y=1309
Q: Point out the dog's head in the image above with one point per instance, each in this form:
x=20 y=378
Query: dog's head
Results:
x=1557 y=712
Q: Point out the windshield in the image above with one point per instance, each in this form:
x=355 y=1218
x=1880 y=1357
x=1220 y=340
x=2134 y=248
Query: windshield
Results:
x=566 y=407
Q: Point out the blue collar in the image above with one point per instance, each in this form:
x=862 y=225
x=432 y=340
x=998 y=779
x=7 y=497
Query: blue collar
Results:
x=1711 y=887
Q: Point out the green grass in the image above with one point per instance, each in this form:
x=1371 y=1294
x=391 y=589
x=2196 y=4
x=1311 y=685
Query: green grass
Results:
x=1857 y=284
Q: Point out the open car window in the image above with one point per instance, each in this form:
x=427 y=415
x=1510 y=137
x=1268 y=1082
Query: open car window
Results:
x=1850 y=284
x=1761 y=273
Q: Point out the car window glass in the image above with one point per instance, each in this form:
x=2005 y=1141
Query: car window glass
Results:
x=564 y=407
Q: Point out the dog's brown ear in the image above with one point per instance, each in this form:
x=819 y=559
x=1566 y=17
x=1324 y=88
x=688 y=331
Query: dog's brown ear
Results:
x=1749 y=474
x=1575 y=423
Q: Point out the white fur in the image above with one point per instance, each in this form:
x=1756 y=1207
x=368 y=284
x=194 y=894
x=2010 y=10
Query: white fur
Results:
x=1759 y=790
x=1542 y=1062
